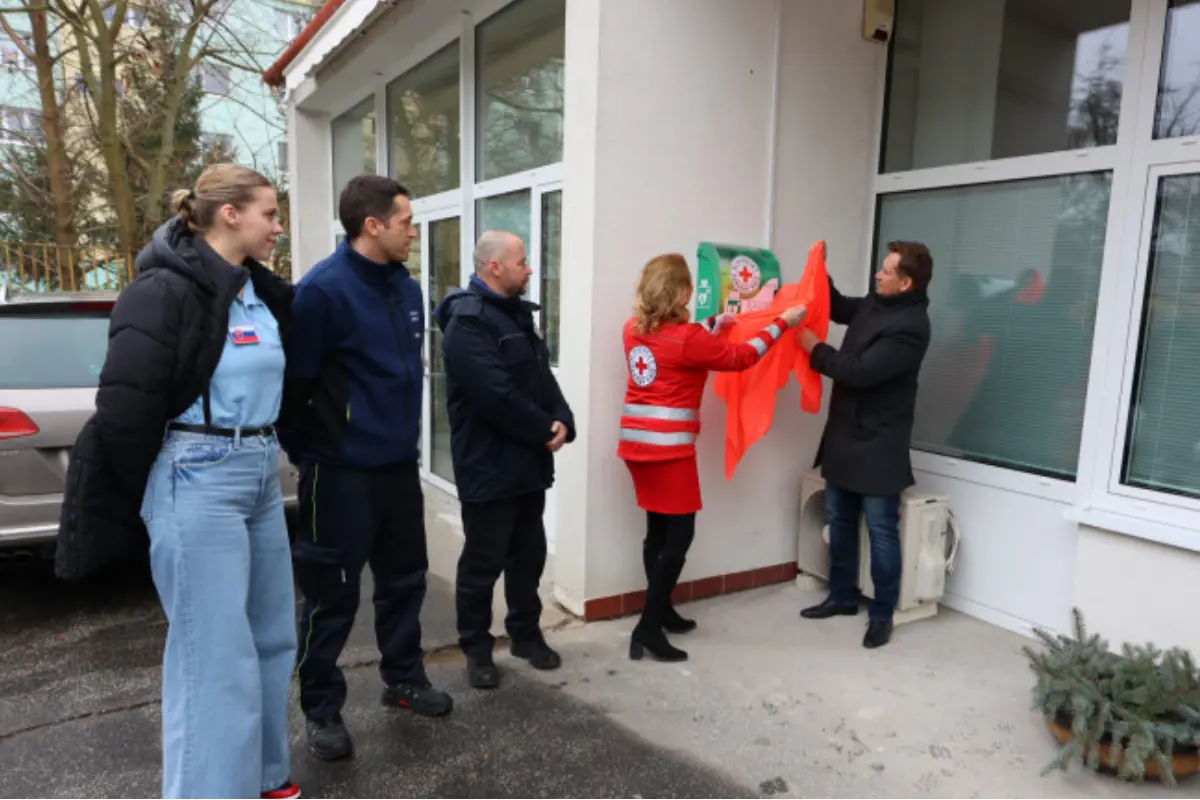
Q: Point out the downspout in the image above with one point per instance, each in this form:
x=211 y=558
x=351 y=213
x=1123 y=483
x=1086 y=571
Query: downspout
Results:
x=773 y=127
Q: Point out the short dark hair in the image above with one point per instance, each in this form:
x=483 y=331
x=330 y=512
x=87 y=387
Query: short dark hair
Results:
x=916 y=262
x=367 y=196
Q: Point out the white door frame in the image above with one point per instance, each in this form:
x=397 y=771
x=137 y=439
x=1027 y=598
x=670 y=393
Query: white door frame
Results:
x=424 y=222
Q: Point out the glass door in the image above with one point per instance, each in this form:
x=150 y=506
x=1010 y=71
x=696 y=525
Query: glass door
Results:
x=441 y=273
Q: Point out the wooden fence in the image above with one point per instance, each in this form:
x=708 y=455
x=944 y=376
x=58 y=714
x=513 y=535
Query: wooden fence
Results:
x=40 y=267
x=37 y=267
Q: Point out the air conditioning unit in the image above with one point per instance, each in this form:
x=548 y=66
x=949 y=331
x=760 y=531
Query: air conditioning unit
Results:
x=929 y=540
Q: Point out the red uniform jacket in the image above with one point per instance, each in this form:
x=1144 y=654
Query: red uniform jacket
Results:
x=667 y=372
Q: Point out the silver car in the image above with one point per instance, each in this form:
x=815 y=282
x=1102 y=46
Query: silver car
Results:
x=52 y=347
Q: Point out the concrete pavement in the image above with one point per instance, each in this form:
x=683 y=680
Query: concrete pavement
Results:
x=528 y=739
x=768 y=705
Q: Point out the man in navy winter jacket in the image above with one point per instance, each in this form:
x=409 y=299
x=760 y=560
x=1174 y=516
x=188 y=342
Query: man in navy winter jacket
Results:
x=354 y=374
x=508 y=418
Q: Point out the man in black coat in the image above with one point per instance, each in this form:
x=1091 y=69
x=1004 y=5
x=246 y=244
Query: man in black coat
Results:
x=864 y=453
x=508 y=418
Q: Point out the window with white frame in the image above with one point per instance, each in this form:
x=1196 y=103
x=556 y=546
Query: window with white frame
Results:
x=1013 y=307
x=19 y=125
x=353 y=135
x=519 y=89
x=503 y=172
x=423 y=117
x=216 y=78
x=1003 y=78
x=135 y=17
x=551 y=265
x=1048 y=152
x=219 y=144
x=289 y=22
x=1162 y=449
x=12 y=55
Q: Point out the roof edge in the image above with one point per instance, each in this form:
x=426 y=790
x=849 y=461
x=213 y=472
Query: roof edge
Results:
x=274 y=74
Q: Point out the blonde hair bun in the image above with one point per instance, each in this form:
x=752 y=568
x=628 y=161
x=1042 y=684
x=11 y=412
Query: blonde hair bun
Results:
x=219 y=185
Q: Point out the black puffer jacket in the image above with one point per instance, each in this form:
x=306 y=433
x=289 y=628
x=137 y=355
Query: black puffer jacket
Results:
x=166 y=335
x=865 y=448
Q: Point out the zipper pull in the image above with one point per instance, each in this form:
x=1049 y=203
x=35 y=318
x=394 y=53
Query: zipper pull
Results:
x=343 y=575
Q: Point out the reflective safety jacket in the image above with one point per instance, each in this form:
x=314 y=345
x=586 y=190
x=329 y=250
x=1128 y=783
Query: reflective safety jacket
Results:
x=667 y=372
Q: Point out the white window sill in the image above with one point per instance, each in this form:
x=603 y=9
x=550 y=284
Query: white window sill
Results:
x=1139 y=527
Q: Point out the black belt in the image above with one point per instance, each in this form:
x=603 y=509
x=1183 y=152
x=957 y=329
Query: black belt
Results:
x=212 y=430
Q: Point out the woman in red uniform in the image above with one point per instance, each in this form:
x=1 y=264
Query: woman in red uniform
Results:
x=669 y=360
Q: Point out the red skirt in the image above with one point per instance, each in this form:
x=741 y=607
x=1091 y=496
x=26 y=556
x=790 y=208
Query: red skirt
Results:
x=667 y=487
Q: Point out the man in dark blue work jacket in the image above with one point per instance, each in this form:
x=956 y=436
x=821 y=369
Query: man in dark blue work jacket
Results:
x=354 y=374
x=507 y=419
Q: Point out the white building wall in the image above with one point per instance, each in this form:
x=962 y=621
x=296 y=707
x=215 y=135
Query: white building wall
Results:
x=311 y=182
x=680 y=132
x=1132 y=590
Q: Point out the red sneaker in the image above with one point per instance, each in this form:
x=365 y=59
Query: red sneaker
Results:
x=285 y=792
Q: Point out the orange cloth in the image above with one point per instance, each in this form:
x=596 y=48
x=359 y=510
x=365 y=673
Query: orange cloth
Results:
x=750 y=396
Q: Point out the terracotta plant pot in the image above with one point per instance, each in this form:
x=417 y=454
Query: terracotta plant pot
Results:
x=1184 y=763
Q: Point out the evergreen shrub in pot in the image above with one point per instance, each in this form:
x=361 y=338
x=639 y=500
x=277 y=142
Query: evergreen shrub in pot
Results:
x=1135 y=713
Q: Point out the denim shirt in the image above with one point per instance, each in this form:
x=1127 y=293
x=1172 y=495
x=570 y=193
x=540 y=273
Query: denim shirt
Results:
x=247 y=387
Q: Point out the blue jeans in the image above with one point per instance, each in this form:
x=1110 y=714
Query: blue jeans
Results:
x=222 y=565
x=883 y=523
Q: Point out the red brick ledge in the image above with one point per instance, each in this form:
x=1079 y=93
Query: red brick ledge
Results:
x=632 y=602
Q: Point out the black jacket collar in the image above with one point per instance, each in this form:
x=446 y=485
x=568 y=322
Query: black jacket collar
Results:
x=177 y=248
x=916 y=297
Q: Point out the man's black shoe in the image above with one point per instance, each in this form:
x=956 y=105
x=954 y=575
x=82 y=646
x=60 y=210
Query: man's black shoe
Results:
x=420 y=699
x=879 y=633
x=482 y=672
x=328 y=739
x=829 y=609
x=537 y=653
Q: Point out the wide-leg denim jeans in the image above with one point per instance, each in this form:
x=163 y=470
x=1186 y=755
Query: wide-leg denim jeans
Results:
x=221 y=560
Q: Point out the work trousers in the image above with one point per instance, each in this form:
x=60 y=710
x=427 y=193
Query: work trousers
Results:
x=501 y=536
x=350 y=518
x=219 y=555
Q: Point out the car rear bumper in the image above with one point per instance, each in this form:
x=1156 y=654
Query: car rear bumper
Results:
x=26 y=524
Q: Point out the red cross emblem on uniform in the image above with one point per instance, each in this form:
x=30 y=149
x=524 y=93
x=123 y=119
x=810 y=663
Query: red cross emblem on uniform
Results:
x=643 y=369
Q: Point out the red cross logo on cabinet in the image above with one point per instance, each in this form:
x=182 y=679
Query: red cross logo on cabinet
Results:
x=642 y=366
x=745 y=275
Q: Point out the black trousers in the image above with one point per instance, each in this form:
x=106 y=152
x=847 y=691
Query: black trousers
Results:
x=501 y=536
x=350 y=518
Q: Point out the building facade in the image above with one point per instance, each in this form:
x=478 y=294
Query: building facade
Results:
x=1047 y=152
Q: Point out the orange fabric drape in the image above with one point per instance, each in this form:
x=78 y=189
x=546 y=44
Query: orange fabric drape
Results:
x=750 y=396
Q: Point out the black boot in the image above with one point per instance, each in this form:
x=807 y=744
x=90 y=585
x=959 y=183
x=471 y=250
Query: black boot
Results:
x=672 y=622
x=648 y=635
x=328 y=739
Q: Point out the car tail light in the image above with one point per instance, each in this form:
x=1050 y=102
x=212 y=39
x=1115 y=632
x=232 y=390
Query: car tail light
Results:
x=15 y=423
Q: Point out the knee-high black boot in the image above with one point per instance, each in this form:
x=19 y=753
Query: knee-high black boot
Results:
x=648 y=635
x=672 y=622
